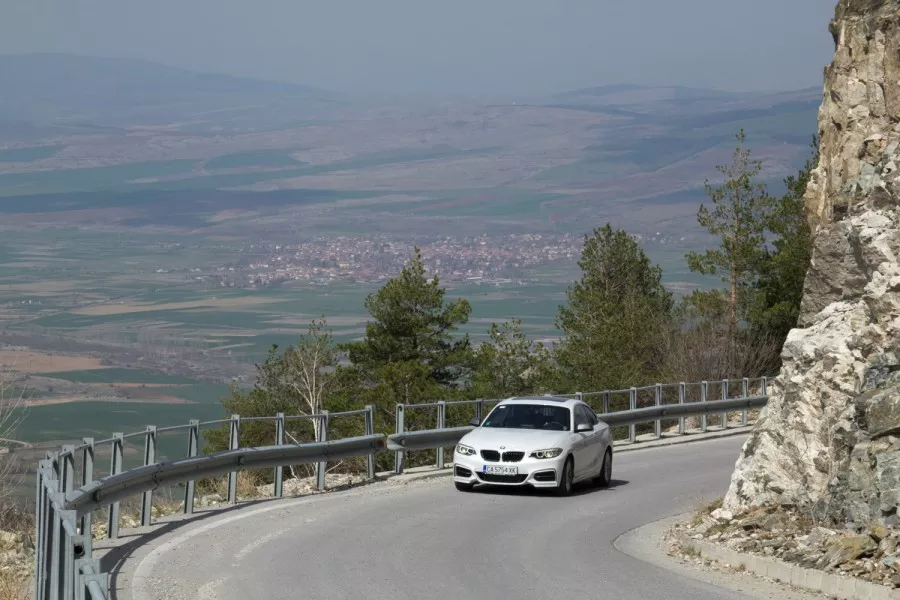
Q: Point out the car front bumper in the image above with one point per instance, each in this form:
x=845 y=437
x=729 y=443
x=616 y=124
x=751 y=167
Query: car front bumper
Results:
x=536 y=472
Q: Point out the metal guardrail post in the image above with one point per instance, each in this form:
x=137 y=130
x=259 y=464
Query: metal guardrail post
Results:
x=67 y=466
x=40 y=529
x=725 y=397
x=441 y=416
x=193 y=447
x=322 y=467
x=115 y=467
x=579 y=396
x=67 y=551
x=479 y=409
x=234 y=442
x=632 y=404
x=69 y=538
x=703 y=390
x=658 y=400
x=56 y=532
x=370 y=430
x=398 y=456
x=745 y=390
x=682 y=388
x=605 y=402
x=87 y=476
x=763 y=385
x=278 y=490
x=149 y=459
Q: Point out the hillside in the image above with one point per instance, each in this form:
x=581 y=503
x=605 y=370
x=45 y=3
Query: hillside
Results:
x=152 y=138
x=89 y=92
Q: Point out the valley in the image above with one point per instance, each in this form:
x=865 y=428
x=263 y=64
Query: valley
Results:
x=152 y=252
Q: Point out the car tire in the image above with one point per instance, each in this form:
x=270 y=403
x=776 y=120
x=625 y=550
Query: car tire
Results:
x=567 y=478
x=605 y=476
x=464 y=487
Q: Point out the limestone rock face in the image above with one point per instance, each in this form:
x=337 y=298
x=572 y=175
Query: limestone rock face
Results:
x=829 y=439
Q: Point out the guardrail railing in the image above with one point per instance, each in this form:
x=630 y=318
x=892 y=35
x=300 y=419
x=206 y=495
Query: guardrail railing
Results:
x=604 y=403
x=65 y=568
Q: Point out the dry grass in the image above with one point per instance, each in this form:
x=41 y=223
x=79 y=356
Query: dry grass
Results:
x=134 y=307
x=26 y=361
x=247 y=483
x=704 y=509
x=15 y=583
x=14 y=586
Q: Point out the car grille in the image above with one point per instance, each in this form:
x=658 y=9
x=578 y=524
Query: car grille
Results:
x=495 y=456
x=501 y=478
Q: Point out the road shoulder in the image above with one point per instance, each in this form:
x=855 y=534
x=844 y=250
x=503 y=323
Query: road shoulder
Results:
x=647 y=544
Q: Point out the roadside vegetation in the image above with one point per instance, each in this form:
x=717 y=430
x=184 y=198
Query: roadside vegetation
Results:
x=620 y=325
x=16 y=520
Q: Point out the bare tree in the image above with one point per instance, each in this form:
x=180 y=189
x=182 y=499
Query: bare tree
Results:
x=309 y=370
x=12 y=411
x=709 y=352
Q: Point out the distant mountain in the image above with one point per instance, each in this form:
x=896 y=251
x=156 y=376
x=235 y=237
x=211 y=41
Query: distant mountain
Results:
x=623 y=93
x=68 y=89
x=631 y=96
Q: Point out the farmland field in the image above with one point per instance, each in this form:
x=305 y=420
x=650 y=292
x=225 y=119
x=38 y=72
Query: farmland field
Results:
x=153 y=251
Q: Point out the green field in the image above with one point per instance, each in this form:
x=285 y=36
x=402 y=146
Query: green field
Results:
x=88 y=179
x=253 y=158
x=28 y=154
x=114 y=375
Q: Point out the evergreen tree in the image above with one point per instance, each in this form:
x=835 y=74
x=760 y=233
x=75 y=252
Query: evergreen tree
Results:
x=410 y=344
x=615 y=317
x=509 y=364
x=783 y=269
x=739 y=219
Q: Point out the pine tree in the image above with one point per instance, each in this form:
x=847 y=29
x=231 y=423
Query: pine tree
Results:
x=783 y=269
x=509 y=364
x=739 y=219
x=410 y=340
x=615 y=317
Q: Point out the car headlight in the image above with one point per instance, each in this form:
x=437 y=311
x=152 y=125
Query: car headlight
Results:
x=465 y=450
x=547 y=453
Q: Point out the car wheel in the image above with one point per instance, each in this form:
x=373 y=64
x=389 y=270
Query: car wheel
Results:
x=605 y=475
x=567 y=479
x=464 y=487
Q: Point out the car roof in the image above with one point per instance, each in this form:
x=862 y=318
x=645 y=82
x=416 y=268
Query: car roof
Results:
x=568 y=402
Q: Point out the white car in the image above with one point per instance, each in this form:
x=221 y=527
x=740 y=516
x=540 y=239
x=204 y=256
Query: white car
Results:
x=539 y=441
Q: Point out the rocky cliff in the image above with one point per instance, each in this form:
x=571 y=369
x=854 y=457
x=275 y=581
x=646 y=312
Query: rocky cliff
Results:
x=828 y=442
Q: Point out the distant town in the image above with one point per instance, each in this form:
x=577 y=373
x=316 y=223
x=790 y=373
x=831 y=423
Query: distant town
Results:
x=482 y=259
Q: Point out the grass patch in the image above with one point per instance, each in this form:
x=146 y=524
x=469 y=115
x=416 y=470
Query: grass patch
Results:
x=118 y=375
x=26 y=155
x=90 y=179
x=253 y=158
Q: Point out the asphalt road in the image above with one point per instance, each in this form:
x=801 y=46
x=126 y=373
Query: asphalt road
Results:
x=428 y=541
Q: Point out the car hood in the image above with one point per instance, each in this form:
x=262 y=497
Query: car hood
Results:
x=492 y=438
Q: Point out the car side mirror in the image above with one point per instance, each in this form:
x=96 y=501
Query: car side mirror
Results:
x=474 y=422
x=583 y=427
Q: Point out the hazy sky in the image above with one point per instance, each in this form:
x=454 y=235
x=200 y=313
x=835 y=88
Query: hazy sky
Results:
x=466 y=46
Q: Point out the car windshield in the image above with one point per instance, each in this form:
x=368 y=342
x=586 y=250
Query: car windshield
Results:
x=529 y=416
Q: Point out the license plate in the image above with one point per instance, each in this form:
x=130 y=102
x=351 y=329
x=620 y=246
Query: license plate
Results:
x=497 y=470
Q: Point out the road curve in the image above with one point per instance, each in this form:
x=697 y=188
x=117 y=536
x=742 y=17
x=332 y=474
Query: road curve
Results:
x=428 y=541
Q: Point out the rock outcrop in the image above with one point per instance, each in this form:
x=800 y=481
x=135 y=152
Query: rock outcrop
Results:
x=829 y=439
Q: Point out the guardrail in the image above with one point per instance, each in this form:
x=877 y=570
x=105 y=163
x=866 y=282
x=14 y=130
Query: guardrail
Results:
x=605 y=403
x=65 y=568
